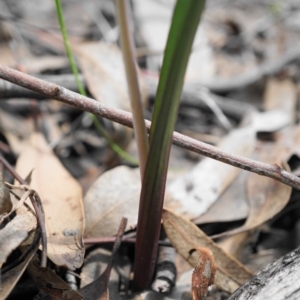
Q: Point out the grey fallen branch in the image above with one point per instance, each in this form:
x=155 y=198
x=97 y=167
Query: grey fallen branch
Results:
x=190 y=94
x=279 y=280
x=125 y=118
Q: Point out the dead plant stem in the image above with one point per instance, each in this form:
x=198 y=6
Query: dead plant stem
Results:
x=133 y=84
x=54 y=91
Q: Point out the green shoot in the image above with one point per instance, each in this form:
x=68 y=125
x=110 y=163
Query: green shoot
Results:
x=184 y=24
x=81 y=89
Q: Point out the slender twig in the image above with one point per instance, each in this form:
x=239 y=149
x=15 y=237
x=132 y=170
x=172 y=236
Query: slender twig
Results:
x=38 y=208
x=133 y=84
x=54 y=91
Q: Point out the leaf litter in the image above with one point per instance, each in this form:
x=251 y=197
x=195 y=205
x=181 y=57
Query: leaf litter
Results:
x=98 y=289
x=185 y=236
x=61 y=197
x=229 y=190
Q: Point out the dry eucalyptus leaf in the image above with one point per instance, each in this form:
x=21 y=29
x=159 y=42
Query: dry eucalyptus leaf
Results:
x=185 y=236
x=154 y=18
x=115 y=194
x=10 y=278
x=61 y=197
x=6 y=55
x=5 y=202
x=99 y=288
x=232 y=205
x=38 y=64
x=281 y=94
x=194 y=192
x=14 y=233
x=16 y=130
x=94 y=265
x=50 y=284
x=266 y=196
x=103 y=68
x=236 y=245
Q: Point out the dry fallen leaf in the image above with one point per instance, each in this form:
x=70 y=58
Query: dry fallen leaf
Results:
x=14 y=233
x=154 y=19
x=232 y=205
x=104 y=71
x=98 y=289
x=5 y=202
x=10 y=278
x=94 y=265
x=115 y=194
x=103 y=68
x=282 y=95
x=184 y=236
x=61 y=197
x=266 y=196
x=194 y=192
x=204 y=273
x=16 y=130
x=50 y=284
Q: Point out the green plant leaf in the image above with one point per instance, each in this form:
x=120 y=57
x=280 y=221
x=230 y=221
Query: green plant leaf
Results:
x=185 y=21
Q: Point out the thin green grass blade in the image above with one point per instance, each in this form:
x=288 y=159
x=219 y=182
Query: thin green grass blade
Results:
x=185 y=21
x=81 y=89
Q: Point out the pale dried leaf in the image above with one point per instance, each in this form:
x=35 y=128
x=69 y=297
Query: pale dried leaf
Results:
x=61 y=197
x=115 y=194
x=154 y=19
x=281 y=94
x=280 y=103
x=10 y=278
x=193 y=193
x=49 y=283
x=5 y=202
x=266 y=196
x=6 y=55
x=99 y=288
x=272 y=121
x=16 y=130
x=184 y=236
x=14 y=233
x=94 y=265
x=38 y=64
x=104 y=71
x=232 y=205
x=235 y=245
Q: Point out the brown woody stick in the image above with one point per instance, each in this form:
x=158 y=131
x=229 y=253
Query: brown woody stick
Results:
x=54 y=91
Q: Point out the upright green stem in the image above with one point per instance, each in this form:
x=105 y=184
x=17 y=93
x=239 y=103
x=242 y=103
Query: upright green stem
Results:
x=81 y=89
x=68 y=47
x=133 y=84
x=185 y=21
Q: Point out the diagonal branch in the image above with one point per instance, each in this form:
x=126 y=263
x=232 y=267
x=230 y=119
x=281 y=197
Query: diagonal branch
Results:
x=54 y=91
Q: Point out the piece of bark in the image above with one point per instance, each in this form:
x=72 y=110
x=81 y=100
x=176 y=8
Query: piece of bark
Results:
x=279 y=280
x=165 y=275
